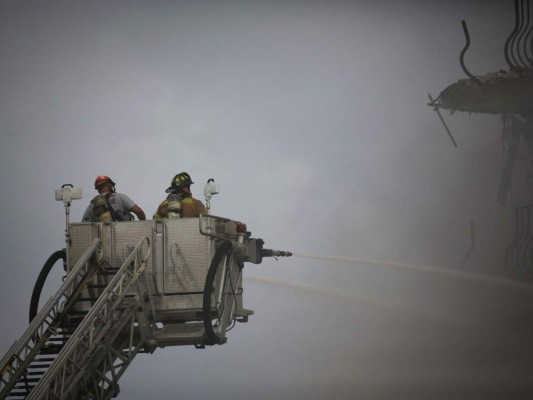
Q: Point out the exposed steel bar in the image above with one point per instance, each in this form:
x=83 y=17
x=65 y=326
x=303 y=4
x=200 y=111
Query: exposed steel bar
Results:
x=462 y=55
x=436 y=108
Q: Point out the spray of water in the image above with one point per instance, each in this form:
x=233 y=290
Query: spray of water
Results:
x=418 y=309
x=423 y=268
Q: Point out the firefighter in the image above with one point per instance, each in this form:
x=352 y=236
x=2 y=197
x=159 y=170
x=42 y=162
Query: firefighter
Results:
x=109 y=205
x=180 y=203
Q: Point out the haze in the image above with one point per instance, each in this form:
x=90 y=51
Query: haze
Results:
x=313 y=117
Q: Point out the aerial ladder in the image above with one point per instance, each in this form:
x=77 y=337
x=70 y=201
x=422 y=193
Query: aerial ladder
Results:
x=130 y=287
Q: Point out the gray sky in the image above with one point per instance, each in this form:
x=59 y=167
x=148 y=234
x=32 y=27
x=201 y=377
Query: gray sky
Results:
x=312 y=115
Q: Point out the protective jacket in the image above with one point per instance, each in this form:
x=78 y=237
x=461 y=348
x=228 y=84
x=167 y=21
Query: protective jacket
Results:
x=190 y=208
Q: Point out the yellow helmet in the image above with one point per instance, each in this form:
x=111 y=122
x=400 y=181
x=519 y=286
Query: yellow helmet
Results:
x=180 y=180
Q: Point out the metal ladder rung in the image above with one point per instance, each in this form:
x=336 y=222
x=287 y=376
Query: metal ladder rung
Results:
x=56 y=339
x=23 y=393
x=51 y=349
x=111 y=303
x=43 y=359
x=28 y=380
x=76 y=313
x=86 y=299
x=40 y=365
x=41 y=338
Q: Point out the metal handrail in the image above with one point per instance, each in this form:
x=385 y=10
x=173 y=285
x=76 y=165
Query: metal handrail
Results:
x=22 y=352
x=93 y=328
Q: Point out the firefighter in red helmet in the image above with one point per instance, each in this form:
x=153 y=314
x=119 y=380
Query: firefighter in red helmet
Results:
x=109 y=205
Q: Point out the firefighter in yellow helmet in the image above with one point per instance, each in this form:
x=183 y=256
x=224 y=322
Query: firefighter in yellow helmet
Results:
x=109 y=205
x=180 y=203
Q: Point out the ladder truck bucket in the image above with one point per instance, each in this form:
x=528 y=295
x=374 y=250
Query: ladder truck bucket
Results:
x=131 y=287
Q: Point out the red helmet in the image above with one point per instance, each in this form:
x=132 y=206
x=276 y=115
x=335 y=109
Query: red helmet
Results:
x=102 y=179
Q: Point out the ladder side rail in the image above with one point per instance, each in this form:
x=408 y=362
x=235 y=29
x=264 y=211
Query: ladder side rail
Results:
x=24 y=350
x=122 y=345
x=69 y=365
x=126 y=349
x=101 y=376
x=106 y=323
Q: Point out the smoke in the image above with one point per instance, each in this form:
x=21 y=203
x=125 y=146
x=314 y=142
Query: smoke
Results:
x=340 y=294
x=313 y=117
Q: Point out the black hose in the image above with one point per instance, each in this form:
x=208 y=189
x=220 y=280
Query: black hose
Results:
x=211 y=337
x=34 y=303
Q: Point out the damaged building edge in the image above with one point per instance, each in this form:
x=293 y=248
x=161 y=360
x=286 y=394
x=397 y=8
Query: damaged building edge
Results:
x=495 y=93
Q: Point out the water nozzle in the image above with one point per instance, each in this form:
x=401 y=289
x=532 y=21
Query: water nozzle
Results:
x=275 y=253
